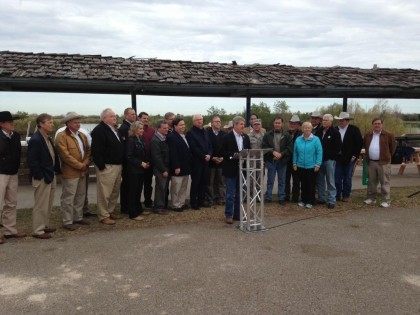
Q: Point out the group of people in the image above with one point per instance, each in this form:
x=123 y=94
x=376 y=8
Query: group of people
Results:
x=309 y=159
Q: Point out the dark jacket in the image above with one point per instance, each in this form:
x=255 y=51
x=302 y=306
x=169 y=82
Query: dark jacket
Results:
x=106 y=148
x=316 y=129
x=216 y=144
x=135 y=154
x=352 y=144
x=286 y=146
x=159 y=154
x=40 y=163
x=10 y=150
x=230 y=167
x=387 y=146
x=200 y=145
x=294 y=136
x=179 y=155
x=123 y=130
x=331 y=143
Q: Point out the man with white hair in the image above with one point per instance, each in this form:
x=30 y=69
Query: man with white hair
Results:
x=107 y=154
x=130 y=116
x=331 y=146
x=200 y=146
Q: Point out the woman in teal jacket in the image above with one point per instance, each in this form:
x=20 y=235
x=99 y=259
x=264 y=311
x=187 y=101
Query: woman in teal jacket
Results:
x=307 y=158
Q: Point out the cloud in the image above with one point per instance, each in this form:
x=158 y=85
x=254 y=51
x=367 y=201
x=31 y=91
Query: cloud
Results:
x=300 y=32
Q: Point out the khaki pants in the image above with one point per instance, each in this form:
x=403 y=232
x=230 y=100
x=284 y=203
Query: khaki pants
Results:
x=8 y=194
x=382 y=174
x=108 y=183
x=44 y=198
x=178 y=191
x=73 y=199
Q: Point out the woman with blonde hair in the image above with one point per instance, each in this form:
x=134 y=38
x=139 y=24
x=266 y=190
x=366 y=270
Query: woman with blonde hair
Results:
x=307 y=159
x=137 y=163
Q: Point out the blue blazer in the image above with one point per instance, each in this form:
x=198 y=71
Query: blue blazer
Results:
x=230 y=166
x=200 y=145
x=179 y=155
x=41 y=165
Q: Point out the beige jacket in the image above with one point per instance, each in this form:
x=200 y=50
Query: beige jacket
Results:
x=72 y=163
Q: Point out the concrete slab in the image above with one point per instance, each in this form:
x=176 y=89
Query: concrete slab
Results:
x=360 y=262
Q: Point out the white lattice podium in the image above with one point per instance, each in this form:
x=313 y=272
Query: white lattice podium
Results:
x=251 y=179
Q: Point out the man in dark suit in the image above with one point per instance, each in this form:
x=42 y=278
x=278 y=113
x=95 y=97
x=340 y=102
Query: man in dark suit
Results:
x=200 y=146
x=179 y=164
x=107 y=154
x=350 y=150
x=331 y=146
x=148 y=134
x=43 y=164
x=129 y=117
x=10 y=152
x=233 y=142
x=216 y=187
x=160 y=160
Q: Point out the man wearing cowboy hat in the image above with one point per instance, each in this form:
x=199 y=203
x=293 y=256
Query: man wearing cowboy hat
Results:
x=294 y=131
x=10 y=150
x=74 y=151
x=352 y=143
x=316 y=120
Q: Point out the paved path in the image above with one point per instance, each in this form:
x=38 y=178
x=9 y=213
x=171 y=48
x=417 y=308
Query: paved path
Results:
x=359 y=262
x=410 y=178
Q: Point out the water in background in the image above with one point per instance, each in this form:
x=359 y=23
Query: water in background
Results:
x=88 y=127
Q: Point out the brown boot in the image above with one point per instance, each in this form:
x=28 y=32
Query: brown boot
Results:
x=44 y=236
x=108 y=221
x=113 y=216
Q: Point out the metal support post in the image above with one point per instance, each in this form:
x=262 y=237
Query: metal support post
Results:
x=134 y=101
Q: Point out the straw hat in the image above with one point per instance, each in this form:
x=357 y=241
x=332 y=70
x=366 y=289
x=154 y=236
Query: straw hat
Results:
x=316 y=114
x=294 y=118
x=70 y=116
x=343 y=115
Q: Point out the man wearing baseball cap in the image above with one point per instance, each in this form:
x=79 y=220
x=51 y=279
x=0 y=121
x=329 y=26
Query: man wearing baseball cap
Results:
x=10 y=150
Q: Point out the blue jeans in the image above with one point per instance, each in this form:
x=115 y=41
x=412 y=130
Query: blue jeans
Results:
x=325 y=182
x=273 y=168
x=343 y=175
x=232 y=197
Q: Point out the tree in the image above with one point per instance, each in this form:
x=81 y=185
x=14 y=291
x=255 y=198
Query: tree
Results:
x=281 y=107
x=215 y=111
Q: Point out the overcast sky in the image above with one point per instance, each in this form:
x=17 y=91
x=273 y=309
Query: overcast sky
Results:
x=300 y=33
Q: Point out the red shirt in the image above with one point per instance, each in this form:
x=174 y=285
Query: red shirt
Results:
x=148 y=135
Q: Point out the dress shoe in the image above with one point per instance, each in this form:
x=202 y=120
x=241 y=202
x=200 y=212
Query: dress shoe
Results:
x=108 y=221
x=185 y=207
x=113 y=216
x=160 y=211
x=229 y=220
x=89 y=214
x=138 y=218
x=320 y=202
x=330 y=206
x=148 y=205
x=180 y=209
x=70 y=227
x=195 y=207
x=44 y=236
x=82 y=222
x=345 y=199
x=17 y=235
x=49 y=230
x=282 y=202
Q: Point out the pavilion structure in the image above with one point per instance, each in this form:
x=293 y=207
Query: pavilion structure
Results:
x=74 y=73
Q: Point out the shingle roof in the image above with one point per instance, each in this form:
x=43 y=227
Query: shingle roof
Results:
x=140 y=73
